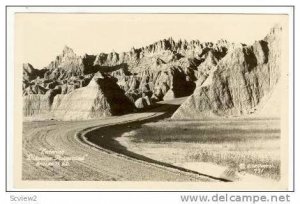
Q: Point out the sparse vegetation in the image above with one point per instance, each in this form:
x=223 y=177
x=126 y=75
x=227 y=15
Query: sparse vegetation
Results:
x=251 y=146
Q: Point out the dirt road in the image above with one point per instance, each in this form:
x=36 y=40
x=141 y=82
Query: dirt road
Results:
x=63 y=142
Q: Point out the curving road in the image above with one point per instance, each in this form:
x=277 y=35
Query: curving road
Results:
x=99 y=163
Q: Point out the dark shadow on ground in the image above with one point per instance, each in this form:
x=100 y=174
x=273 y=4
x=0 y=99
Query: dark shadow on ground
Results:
x=105 y=137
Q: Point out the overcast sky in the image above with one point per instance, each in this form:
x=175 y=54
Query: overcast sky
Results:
x=39 y=38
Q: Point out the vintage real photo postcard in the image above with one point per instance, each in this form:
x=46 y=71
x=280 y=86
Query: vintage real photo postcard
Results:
x=151 y=101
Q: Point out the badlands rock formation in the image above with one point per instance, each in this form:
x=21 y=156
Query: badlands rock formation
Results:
x=238 y=83
x=223 y=78
x=161 y=71
x=101 y=97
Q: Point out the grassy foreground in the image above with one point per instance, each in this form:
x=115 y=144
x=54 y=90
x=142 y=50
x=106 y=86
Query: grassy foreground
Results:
x=245 y=145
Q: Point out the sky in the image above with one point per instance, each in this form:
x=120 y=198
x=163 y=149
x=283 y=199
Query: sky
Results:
x=40 y=37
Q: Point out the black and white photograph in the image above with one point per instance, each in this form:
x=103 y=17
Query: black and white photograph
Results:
x=196 y=101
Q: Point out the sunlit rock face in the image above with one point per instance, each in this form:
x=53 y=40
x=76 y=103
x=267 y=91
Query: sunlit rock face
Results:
x=221 y=78
x=239 y=83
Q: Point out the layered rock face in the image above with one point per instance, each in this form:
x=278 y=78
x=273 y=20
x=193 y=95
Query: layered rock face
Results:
x=165 y=66
x=102 y=97
x=222 y=79
x=161 y=71
x=238 y=83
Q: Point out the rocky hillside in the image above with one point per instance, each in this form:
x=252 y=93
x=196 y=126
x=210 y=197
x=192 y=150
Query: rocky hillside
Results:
x=101 y=97
x=238 y=83
x=161 y=71
x=221 y=78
